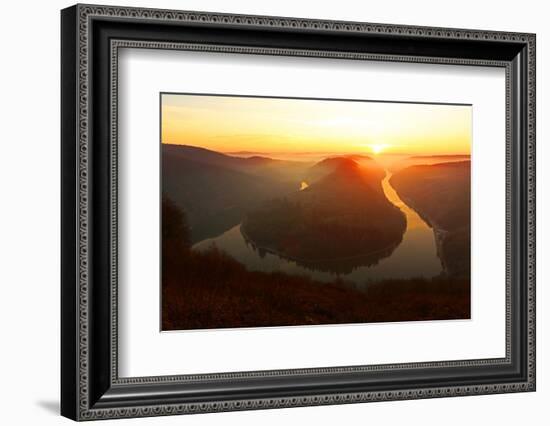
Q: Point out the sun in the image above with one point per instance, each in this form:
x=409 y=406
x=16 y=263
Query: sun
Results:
x=377 y=148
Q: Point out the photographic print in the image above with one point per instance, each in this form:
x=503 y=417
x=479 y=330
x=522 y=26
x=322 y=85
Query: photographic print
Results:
x=293 y=211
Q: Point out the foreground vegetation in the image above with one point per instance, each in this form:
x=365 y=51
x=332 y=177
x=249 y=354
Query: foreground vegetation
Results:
x=209 y=289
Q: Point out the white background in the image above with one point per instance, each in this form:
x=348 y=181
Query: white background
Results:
x=146 y=352
x=29 y=222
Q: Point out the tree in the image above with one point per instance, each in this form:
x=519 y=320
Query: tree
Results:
x=176 y=236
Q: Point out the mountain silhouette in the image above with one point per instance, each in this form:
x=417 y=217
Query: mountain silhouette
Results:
x=425 y=160
x=215 y=190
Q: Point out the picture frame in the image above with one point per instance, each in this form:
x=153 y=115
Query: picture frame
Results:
x=91 y=387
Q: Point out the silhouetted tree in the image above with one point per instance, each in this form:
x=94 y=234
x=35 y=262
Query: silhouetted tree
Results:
x=176 y=238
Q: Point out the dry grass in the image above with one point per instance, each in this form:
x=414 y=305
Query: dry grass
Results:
x=211 y=290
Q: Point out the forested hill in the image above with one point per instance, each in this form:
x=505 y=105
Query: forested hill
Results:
x=440 y=193
x=215 y=190
x=340 y=215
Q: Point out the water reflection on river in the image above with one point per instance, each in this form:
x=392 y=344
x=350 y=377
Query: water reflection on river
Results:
x=416 y=256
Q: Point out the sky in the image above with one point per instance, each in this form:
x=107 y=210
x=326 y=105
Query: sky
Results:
x=233 y=124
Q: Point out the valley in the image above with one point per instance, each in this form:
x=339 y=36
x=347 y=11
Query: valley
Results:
x=252 y=241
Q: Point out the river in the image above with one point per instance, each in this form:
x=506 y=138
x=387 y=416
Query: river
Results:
x=416 y=255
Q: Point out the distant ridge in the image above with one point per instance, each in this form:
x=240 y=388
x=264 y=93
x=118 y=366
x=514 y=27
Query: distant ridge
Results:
x=417 y=160
x=205 y=155
x=447 y=156
x=209 y=156
x=448 y=164
x=243 y=153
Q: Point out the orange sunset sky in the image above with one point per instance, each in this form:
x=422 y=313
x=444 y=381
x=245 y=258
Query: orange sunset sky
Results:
x=286 y=126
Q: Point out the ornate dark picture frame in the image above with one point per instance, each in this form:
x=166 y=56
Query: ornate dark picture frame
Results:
x=90 y=385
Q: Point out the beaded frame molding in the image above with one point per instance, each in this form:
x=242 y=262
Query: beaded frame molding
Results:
x=91 y=39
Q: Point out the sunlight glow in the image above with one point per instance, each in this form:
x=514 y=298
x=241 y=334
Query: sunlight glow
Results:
x=378 y=148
